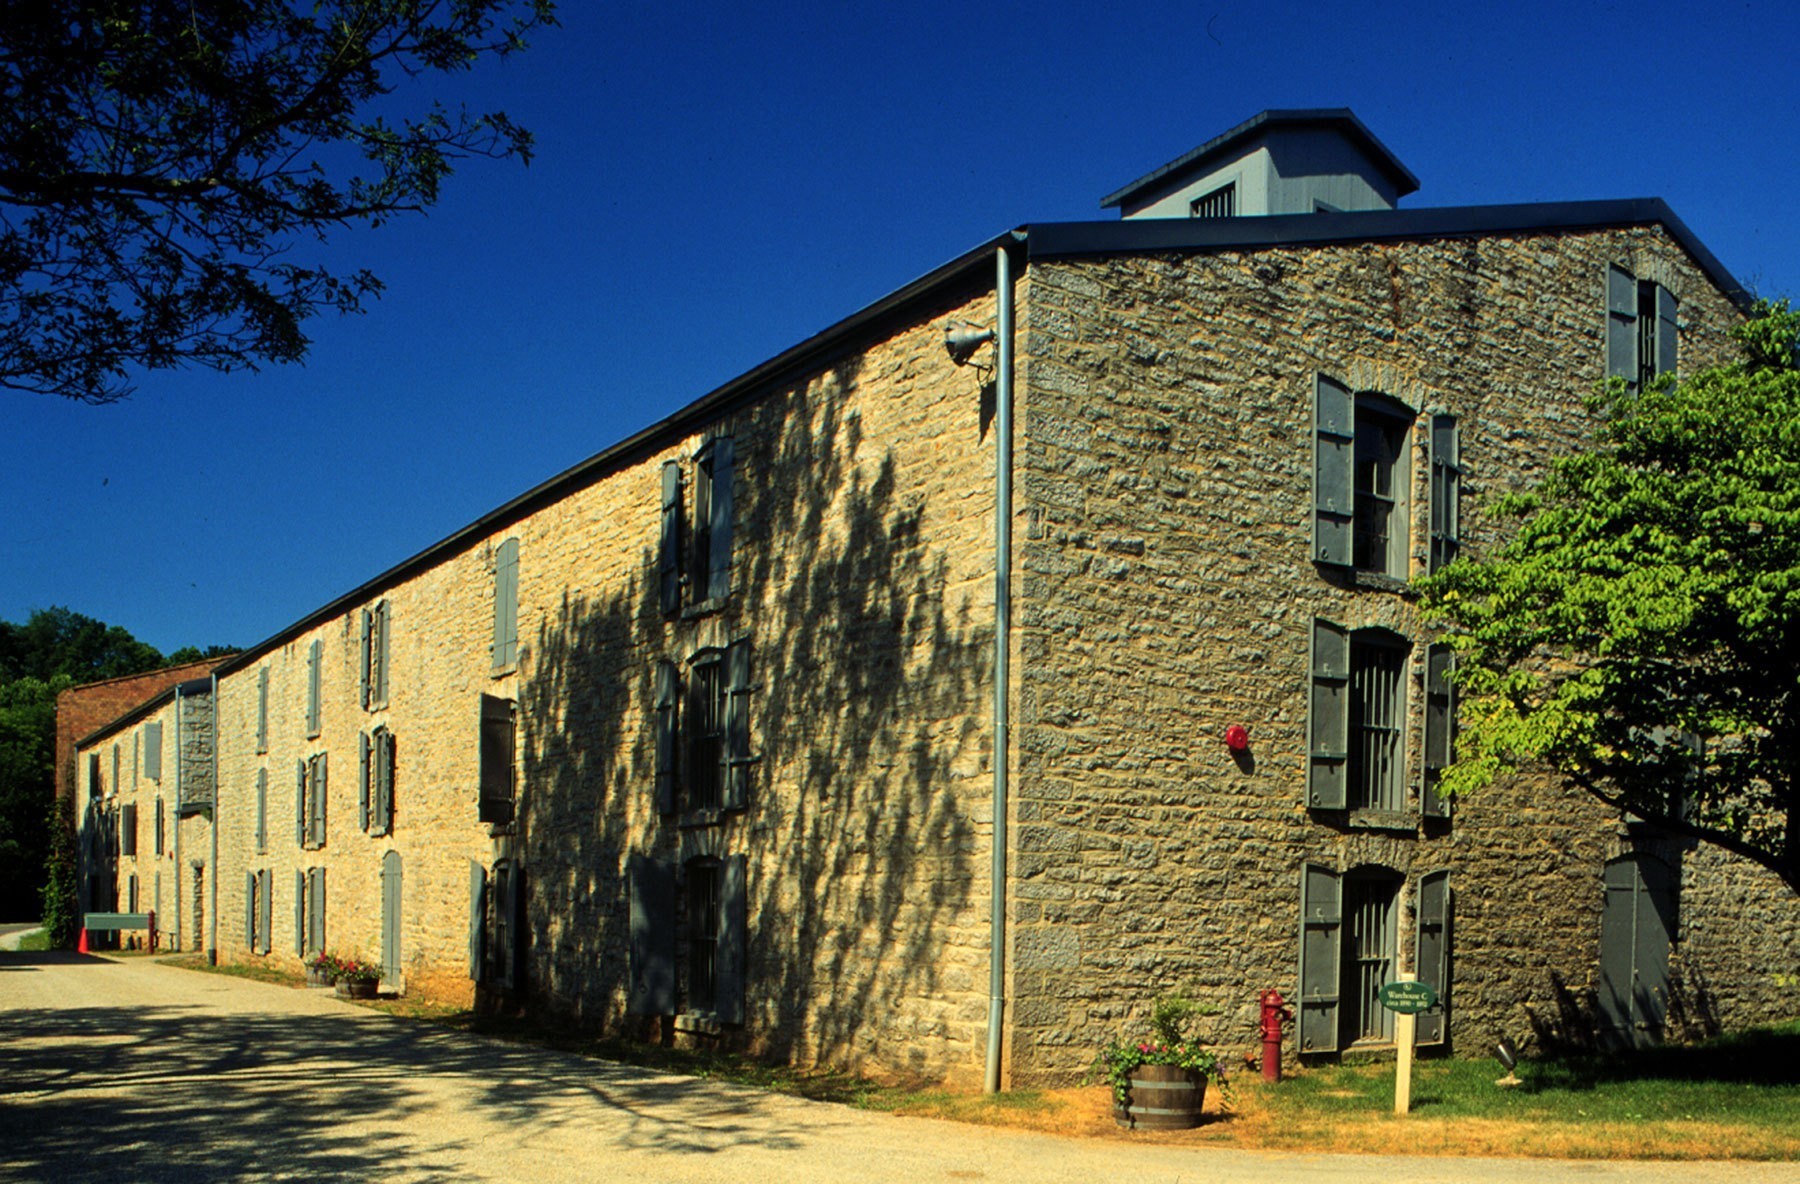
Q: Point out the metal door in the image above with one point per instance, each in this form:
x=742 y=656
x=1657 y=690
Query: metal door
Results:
x=1637 y=926
x=390 y=920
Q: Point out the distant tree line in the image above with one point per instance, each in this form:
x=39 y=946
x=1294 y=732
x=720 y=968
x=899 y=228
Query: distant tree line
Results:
x=54 y=650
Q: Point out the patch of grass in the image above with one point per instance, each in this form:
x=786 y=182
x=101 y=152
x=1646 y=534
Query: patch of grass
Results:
x=249 y=970
x=37 y=939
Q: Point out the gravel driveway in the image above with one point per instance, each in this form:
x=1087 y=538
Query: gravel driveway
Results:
x=128 y=1070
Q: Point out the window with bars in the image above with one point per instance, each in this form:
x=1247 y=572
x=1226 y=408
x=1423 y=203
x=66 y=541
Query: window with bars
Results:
x=702 y=731
x=1379 y=482
x=1368 y=956
x=695 y=551
x=706 y=731
x=703 y=883
x=1377 y=721
x=1641 y=333
x=1219 y=203
x=1349 y=948
x=1361 y=481
x=375 y=657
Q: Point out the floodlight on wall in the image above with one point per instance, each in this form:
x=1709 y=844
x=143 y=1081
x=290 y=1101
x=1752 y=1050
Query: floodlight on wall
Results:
x=1508 y=1054
x=961 y=342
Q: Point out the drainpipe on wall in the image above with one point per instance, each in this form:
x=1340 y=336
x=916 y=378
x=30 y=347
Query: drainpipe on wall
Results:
x=175 y=815
x=212 y=867
x=1003 y=461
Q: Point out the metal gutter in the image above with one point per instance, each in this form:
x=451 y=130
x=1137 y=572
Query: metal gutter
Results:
x=1139 y=235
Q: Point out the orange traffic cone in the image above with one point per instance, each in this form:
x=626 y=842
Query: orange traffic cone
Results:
x=81 y=945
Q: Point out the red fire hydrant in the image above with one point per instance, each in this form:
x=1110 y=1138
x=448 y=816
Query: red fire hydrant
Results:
x=1274 y=1014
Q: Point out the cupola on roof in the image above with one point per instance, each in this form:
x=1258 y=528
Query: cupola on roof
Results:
x=1286 y=161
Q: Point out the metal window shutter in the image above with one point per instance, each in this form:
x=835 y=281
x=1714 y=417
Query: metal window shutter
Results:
x=1321 y=921
x=365 y=683
x=262 y=710
x=506 y=604
x=250 y=911
x=507 y=901
x=153 y=751
x=300 y=805
x=651 y=886
x=728 y=1002
x=1440 y=725
x=1666 y=344
x=478 y=881
x=362 y=779
x=666 y=724
x=267 y=911
x=383 y=613
x=1432 y=963
x=718 y=577
x=1446 y=492
x=1621 y=325
x=262 y=810
x=315 y=911
x=669 y=546
x=1328 y=717
x=496 y=804
x=738 y=758
x=320 y=797
x=384 y=781
x=1334 y=454
x=390 y=916
x=315 y=674
x=299 y=913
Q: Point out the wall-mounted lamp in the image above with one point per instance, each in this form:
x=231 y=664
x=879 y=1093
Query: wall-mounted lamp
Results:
x=961 y=342
x=1237 y=738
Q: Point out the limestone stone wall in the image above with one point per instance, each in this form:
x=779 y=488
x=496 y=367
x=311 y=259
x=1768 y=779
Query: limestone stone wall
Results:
x=1167 y=592
x=130 y=802
x=862 y=577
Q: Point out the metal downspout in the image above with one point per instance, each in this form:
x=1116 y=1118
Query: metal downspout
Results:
x=1003 y=463
x=212 y=870
x=176 y=814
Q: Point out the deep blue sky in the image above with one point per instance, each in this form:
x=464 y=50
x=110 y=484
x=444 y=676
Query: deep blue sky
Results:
x=716 y=182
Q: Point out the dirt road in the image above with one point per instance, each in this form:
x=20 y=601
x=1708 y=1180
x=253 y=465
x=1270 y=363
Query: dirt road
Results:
x=129 y=1070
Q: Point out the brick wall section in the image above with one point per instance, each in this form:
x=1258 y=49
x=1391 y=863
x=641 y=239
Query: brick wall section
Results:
x=1167 y=591
x=862 y=573
x=85 y=709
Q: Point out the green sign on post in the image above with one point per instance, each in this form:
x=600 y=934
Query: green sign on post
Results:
x=1407 y=998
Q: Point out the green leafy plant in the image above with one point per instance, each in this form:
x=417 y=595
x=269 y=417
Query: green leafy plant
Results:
x=1168 y=1043
x=352 y=970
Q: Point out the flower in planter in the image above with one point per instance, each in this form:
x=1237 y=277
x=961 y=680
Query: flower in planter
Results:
x=1169 y=1044
x=352 y=970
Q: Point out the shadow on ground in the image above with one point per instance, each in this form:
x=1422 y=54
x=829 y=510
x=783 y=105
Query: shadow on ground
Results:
x=153 y=1093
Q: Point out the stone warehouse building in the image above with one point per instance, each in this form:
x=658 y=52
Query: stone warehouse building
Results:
x=144 y=803
x=871 y=710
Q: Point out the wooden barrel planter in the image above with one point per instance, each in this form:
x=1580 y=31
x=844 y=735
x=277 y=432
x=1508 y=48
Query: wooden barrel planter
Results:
x=358 y=989
x=1163 y=1098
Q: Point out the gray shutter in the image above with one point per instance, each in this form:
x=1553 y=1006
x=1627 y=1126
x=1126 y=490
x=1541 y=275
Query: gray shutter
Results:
x=315 y=674
x=478 y=881
x=1665 y=331
x=651 y=990
x=1621 y=325
x=300 y=805
x=383 y=621
x=366 y=684
x=363 y=780
x=153 y=739
x=315 y=906
x=161 y=834
x=496 y=804
x=1433 y=961
x=1334 y=455
x=384 y=781
x=130 y=823
x=267 y=911
x=1328 y=717
x=670 y=546
x=299 y=913
x=506 y=604
x=728 y=999
x=316 y=829
x=1446 y=492
x=667 y=694
x=262 y=710
x=250 y=911
x=1321 y=943
x=1440 y=725
x=507 y=901
x=738 y=759
x=390 y=916
x=718 y=577
x=262 y=810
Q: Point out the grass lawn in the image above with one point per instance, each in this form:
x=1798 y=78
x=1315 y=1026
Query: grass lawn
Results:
x=1737 y=1097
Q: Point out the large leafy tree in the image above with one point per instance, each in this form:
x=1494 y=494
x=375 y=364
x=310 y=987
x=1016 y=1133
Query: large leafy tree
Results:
x=159 y=162
x=1641 y=633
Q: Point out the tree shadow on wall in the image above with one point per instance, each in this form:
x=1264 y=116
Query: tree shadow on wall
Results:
x=871 y=689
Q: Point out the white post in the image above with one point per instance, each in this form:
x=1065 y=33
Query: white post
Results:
x=1405 y=1024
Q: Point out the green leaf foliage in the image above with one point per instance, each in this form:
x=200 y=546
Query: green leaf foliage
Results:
x=1641 y=632
x=159 y=163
